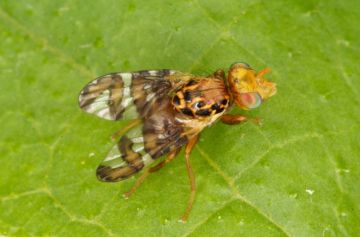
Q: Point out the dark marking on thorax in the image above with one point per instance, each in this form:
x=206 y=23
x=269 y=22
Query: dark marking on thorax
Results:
x=201 y=97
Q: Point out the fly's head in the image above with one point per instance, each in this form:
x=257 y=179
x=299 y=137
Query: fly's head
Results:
x=247 y=87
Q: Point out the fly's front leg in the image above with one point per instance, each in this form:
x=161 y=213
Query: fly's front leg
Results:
x=235 y=119
x=153 y=169
x=191 y=175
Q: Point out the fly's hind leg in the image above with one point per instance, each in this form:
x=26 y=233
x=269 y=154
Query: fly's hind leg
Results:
x=153 y=169
x=188 y=150
x=124 y=130
x=236 y=119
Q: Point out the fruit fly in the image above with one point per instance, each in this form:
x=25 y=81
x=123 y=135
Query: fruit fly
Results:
x=167 y=110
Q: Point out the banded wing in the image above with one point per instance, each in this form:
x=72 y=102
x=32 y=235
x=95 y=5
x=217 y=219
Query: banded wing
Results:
x=115 y=95
x=157 y=136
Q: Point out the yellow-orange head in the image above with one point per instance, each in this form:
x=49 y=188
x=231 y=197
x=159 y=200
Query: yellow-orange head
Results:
x=247 y=87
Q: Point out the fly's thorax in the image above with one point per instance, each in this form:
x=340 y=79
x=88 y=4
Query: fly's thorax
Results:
x=201 y=98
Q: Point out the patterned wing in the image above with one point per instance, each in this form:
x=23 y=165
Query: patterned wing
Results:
x=158 y=135
x=125 y=95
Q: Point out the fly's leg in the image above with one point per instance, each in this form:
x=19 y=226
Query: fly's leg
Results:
x=153 y=169
x=123 y=130
x=235 y=119
x=188 y=150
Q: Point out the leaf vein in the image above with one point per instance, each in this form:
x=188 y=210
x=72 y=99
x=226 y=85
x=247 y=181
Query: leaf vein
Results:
x=231 y=183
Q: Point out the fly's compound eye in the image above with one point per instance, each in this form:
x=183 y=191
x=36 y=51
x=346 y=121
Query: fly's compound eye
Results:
x=250 y=100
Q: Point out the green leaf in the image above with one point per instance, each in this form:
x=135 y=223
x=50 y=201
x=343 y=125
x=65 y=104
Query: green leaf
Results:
x=296 y=175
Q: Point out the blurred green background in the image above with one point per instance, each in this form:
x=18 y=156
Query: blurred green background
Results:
x=296 y=175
